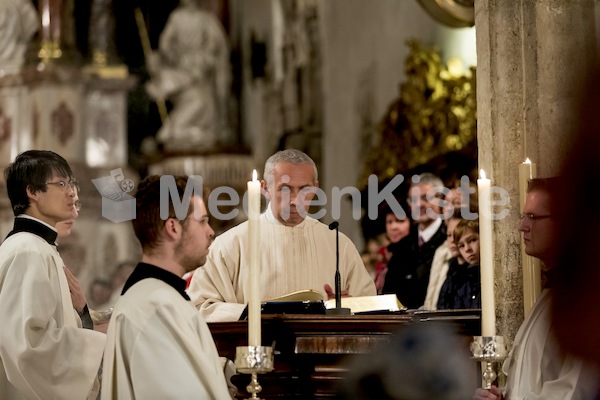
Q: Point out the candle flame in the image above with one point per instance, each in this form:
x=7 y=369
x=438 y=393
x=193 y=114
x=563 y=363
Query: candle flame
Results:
x=482 y=174
x=254 y=176
x=527 y=161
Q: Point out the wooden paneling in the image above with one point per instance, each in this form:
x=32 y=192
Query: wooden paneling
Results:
x=310 y=350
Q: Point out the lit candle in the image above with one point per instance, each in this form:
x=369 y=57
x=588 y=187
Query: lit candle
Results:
x=525 y=174
x=532 y=284
x=44 y=6
x=486 y=250
x=254 y=302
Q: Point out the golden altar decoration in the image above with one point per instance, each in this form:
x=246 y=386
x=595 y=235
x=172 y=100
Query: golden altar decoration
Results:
x=434 y=114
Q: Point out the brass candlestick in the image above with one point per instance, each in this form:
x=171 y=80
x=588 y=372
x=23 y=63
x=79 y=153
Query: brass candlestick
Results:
x=254 y=360
x=491 y=350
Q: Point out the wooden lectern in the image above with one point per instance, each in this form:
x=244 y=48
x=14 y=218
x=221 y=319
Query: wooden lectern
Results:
x=310 y=349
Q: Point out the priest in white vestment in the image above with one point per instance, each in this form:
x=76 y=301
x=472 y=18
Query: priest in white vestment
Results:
x=536 y=367
x=158 y=345
x=45 y=353
x=297 y=252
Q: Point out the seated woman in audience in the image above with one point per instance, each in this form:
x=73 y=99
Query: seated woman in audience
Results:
x=462 y=288
x=396 y=228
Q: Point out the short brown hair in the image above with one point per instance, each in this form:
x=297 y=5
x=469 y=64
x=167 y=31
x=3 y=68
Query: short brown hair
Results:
x=463 y=226
x=148 y=224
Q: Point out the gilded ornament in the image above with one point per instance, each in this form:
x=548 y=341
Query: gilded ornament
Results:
x=434 y=114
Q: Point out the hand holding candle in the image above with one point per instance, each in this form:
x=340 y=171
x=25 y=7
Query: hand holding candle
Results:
x=486 y=248
x=254 y=296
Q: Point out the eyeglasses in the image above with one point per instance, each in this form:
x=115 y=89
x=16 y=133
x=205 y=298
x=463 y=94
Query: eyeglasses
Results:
x=73 y=184
x=533 y=217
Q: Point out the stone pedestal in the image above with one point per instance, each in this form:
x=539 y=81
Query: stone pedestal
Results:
x=55 y=99
x=15 y=118
x=232 y=170
x=105 y=121
x=530 y=55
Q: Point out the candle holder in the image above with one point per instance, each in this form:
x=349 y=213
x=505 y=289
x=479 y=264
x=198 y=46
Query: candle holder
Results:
x=254 y=360
x=489 y=349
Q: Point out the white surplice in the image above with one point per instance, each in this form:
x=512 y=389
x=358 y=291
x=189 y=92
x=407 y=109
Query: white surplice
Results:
x=537 y=369
x=291 y=259
x=45 y=353
x=159 y=347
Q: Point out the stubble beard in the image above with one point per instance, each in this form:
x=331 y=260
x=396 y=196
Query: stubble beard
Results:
x=188 y=262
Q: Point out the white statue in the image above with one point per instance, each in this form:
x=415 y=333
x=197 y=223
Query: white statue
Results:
x=192 y=69
x=18 y=22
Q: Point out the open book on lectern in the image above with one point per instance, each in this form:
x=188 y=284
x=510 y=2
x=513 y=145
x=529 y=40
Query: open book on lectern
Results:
x=313 y=301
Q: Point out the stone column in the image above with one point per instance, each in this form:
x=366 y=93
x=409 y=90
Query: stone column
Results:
x=530 y=54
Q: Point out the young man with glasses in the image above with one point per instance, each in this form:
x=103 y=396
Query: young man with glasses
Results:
x=45 y=353
x=537 y=368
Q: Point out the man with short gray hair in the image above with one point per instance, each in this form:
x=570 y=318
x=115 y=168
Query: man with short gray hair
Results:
x=297 y=251
x=410 y=265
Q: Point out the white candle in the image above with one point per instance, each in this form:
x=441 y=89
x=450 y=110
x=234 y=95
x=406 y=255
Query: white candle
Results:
x=486 y=249
x=525 y=174
x=532 y=284
x=254 y=296
x=44 y=6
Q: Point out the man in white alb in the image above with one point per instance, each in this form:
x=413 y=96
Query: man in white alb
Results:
x=537 y=368
x=297 y=252
x=45 y=351
x=158 y=346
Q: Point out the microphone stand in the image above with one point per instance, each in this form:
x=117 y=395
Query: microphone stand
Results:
x=338 y=310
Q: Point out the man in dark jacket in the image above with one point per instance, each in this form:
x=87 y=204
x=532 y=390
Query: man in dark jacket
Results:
x=410 y=265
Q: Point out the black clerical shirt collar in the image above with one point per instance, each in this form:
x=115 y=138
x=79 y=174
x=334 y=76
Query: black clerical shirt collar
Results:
x=35 y=226
x=143 y=271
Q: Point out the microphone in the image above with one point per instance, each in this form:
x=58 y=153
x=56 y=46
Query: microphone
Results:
x=338 y=310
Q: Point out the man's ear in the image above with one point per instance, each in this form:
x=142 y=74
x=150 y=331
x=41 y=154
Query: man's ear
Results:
x=317 y=184
x=265 y=188
x=30 y=193
x=173 y=228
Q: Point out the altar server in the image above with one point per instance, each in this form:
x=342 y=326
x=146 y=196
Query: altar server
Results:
x=158 y=346
x=45 y=352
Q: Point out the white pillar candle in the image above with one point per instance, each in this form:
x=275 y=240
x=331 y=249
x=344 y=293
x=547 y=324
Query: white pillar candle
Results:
x=254 y=297
x=532 y=284
x=486 y=249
